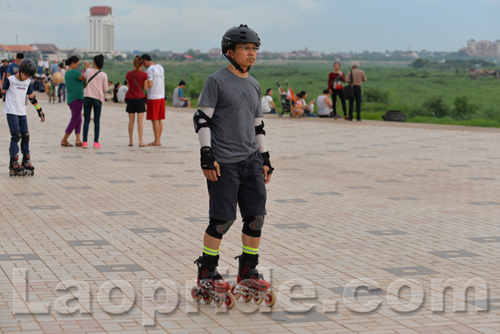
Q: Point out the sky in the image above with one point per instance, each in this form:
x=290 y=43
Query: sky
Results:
x=283 y=25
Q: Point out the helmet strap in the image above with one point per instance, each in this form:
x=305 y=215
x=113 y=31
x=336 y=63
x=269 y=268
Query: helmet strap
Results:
x=235 y=64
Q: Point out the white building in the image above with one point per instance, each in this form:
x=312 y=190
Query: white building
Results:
x=101 y=30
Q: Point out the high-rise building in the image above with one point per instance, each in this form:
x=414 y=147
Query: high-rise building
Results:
x=101 y=29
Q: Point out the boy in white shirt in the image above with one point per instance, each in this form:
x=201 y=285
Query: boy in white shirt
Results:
x=15 y=88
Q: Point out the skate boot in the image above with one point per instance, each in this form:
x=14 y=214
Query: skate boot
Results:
x=15 y=169
x=28 y=167
x=251 y=283
x=210 y=284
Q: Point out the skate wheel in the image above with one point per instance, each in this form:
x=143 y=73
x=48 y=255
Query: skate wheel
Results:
x=270 y=299
x=246 y=298
x=207 y=299
x=195 y=293
x=218 y=301
x=236 y=295
x=229 y=300
x=258 y=300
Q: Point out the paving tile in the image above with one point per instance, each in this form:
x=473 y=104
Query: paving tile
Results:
x=19 y=257
x=290 y=318
x=290 y=201
x=485 y=240
x=117 y=268
x=121 y=213
x=44 y=207
x=453 y=254
x=88 y=243
x=485 y=203
x=387 y=232
x=150 y=230
x=411 y=270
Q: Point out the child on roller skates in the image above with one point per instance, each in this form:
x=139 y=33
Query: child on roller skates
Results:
x=15 y=88
x=235 y=161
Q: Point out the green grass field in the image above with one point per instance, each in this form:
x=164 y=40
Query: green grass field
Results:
x=390 y=86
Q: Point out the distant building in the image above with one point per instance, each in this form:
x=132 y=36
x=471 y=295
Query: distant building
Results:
x=49 y=52
x=101 y=30
x=10 y=51
x=483 y=48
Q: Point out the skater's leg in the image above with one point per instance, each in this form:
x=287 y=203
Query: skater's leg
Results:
x=15 y=132
x=140 y=127
x=97 y=119
x=25 y=141
x=131 y=121
x=87 y=109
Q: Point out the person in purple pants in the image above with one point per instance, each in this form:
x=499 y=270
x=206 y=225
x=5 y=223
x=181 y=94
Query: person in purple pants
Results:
x=74 y=83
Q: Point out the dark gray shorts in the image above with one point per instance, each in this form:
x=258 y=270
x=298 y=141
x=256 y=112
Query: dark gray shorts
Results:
x=242 y=184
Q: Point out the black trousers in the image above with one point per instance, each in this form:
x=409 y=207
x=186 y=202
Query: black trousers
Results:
x=357 y=98
x=340 y=94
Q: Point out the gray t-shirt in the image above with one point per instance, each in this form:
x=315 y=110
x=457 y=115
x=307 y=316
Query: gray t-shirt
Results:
x=236 y=103
x=176 y=101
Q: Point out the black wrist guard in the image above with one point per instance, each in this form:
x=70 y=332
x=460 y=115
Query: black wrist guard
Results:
x=40 y=113
x=207 y=159
x=267 y=162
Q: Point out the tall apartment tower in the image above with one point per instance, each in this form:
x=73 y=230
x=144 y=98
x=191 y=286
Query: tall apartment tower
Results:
x=101 y=29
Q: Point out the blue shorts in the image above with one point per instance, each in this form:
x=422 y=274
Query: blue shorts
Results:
x=241 y=183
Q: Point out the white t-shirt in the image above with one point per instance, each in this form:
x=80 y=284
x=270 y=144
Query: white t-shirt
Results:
x=15 y=97
x=121 y=93
x=156 y=74
x=63 y=72
x=323 y=108
x=266 y=103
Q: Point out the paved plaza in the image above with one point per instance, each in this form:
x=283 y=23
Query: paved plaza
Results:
x=367 y=224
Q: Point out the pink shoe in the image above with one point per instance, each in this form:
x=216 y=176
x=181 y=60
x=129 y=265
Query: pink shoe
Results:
x=84 y=144
x=97 y=145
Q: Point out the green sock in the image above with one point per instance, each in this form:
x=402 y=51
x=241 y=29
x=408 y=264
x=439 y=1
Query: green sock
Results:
x=210 y=252
x=250 y=250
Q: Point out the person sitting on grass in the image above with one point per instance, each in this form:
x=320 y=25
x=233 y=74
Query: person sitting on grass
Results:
x=267 y=103
x=178 y=98
x=308 y=108
x=325 y=105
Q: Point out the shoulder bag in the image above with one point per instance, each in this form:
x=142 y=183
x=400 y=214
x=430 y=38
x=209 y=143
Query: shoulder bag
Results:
x=349 y=90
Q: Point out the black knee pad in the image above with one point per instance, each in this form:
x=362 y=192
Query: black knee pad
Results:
x=16 y=136
x=252 y=225
x=26 y=136
x=217 y=228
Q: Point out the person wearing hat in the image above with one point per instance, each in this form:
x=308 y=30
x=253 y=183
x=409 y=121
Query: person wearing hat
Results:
x=155 y=108
x=356 y=77
x=178 y=98
x=235 y=162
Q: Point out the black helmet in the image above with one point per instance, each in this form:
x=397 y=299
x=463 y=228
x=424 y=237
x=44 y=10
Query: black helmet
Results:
x=235 y=35
x=28 y=67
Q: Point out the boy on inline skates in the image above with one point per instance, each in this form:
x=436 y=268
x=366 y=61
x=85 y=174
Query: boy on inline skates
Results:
x=15 y=88
x=235 y=161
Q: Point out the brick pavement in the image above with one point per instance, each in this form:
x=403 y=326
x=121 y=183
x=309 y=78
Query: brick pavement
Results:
x=351 y=204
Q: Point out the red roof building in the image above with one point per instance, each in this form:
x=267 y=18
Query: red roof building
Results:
x=16 y=48
x=100 y=11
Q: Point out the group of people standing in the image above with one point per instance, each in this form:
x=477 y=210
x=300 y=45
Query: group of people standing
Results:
x=86 y=89
x=336 y=80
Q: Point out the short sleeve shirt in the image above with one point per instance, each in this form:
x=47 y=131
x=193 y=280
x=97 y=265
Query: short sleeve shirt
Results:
x=266 y=103
x=15 y=97
x=12 y=69
x=157 y=75
x=178 y=93
x=74 y=85
x=135 y=88
x=236 y=103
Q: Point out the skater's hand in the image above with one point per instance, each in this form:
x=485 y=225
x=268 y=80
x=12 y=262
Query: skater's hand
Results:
x=211 y=174
x=267 y=175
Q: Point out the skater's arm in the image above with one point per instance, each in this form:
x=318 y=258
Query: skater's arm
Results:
x=260 y=138
x=202 y=121
x=34 y=102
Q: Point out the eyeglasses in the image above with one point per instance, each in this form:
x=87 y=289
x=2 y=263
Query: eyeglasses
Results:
x=248 y=48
